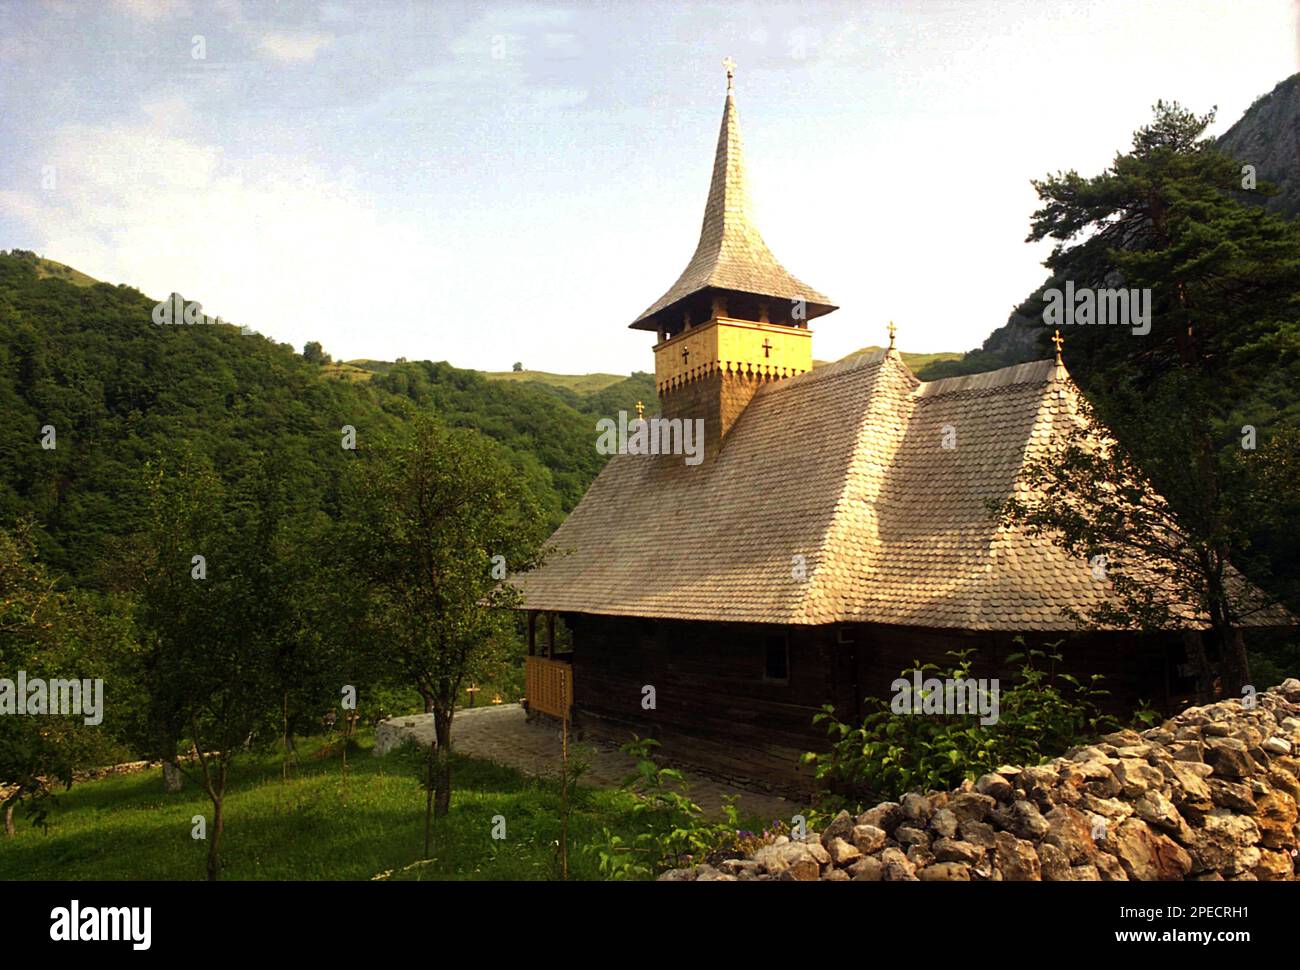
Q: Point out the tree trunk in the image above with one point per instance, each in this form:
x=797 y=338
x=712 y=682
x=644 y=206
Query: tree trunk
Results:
x=173 y=780
x=1236 y=665
x=346 y=734
x=284 y=760
x=428 y=799
x=1194 y=646
x=9 y=816
x=214 y=839
x=442 y=727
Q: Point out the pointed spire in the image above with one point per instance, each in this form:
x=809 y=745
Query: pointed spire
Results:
x=731 y=254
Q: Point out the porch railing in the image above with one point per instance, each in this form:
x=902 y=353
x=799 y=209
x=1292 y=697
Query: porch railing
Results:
x=548 y=685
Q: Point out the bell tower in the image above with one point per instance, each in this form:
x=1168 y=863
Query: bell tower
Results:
x=736 y=317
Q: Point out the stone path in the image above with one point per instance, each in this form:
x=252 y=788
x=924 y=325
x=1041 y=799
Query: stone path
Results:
x=502 y=734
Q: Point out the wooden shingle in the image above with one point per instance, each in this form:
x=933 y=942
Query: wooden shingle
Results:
x=843 y=472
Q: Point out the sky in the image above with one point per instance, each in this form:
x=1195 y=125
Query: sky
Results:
x=497 y=182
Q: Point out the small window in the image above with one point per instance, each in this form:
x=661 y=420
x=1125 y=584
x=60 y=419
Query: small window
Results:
x=776 y=658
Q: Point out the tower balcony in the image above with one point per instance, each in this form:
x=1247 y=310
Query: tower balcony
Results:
x=729 y=346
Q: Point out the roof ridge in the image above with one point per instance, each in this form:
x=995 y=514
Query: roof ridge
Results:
x=866 y=477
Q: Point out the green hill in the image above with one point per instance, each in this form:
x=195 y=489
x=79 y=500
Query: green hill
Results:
x=914 y=362
x=49 y=269
x=582 y=384
x=85 y=358
x=346 y=371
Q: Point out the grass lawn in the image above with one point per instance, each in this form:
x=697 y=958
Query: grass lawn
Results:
x=124 y=827
x=579 y=383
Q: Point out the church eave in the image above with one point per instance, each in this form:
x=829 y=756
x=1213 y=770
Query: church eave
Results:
x=815 y=304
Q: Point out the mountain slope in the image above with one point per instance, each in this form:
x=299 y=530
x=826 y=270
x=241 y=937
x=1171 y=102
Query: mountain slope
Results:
x=85 y=359
x=1266 y=136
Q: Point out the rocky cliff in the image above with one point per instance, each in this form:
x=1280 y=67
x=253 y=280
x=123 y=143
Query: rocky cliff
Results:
x=1211 y=794
x=1266 y=136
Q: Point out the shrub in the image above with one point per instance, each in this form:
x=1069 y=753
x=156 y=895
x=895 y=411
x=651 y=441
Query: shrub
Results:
x=1040 y=715
x=676 y=832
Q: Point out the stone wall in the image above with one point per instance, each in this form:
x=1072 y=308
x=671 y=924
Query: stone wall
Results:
x=1211 y=794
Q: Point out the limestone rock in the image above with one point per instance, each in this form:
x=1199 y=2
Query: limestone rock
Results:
x=1146 y=854
x=867 y=870
x=1071 y=831
x=1211 y=795
x=1016 y=858
x=842 y=852
x=951 y=850
x=884 y=816
x=910 y=835
x=841 y=827
x=1055 y=863
x=944 y=823
x=1229 y=757
x=896 y=866
x=995 y=786
x=868 y=839
x=972 y=806
x=1136 y=777
x=1159 y=811
x=915 y=808
x=1027 y=821
x=944 y=872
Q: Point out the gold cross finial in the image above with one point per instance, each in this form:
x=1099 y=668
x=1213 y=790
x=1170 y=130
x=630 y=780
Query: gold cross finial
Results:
x=892 y=331
x=1059 y=341
x=730 y=65
x=640 y=409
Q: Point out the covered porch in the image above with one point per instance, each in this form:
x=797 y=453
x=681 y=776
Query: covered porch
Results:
x=548 y=673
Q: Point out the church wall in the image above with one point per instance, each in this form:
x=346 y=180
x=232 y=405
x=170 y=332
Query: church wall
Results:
x=714 y=708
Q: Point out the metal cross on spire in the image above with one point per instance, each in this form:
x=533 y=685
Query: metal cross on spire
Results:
x=892 y=330
x=730 y=65
x=1059 y=342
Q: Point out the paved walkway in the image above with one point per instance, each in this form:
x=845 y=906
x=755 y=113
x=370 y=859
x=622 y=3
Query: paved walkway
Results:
x=502 y=734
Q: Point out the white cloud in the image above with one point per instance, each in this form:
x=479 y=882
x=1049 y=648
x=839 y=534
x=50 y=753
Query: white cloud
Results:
x=290 y=46
x=270 y=242
x=151 y=10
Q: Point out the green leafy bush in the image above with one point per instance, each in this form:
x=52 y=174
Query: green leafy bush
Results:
x=1040 y=715
x=676 y=833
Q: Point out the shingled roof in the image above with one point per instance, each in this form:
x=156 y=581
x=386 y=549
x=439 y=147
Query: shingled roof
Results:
x=844 y=467
x=731 y=254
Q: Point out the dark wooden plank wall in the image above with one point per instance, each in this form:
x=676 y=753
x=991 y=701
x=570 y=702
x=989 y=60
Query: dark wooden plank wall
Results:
x=713 y=707
x=715 y=710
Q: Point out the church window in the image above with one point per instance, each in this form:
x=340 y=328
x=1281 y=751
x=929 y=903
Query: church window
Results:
x=776 y=658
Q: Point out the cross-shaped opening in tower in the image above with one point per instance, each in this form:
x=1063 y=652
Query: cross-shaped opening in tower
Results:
x=767 y=348
x=686 y=355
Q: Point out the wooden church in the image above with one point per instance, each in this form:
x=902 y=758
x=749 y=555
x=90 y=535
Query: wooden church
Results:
x=828 y=539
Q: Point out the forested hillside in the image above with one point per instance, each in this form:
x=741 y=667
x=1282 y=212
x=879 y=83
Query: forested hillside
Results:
x=1267 y=136
x=86 y=360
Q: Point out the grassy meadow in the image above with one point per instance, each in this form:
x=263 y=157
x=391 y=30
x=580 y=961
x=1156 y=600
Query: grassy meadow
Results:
x=125 y=828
